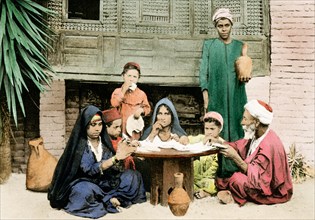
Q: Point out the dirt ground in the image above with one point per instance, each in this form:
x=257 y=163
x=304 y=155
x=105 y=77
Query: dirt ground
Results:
x=19 y=203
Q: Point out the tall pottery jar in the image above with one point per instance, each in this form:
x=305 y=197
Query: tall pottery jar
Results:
x=178 y=200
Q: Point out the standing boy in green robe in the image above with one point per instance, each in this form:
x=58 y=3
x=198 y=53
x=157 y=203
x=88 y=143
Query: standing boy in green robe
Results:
x=221 y=89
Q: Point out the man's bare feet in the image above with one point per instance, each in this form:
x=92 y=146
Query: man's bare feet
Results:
x=225 y=197
x=201 y=194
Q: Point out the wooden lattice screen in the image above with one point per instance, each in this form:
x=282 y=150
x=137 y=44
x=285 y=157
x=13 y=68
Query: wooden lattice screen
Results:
x=164 y=36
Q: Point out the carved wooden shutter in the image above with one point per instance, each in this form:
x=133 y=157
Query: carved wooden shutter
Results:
x=164 y=36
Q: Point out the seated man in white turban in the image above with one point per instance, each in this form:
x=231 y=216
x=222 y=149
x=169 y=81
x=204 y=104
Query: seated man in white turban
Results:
x=264 y=175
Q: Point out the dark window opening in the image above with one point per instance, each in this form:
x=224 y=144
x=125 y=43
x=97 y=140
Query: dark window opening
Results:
x=84 y=9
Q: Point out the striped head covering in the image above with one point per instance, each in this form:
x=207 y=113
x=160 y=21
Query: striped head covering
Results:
x=222 y=13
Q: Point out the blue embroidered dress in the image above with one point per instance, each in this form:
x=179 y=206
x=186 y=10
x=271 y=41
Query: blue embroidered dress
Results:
x=80 y=187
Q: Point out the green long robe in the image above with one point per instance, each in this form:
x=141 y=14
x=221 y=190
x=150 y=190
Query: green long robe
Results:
x=227 y=95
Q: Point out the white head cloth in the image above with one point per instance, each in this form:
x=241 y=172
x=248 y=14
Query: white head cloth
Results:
x=260 y=110
x=134 y=124
x=222 y=13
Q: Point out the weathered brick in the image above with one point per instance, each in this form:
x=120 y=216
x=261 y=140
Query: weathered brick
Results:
x=292 y=71
x=294 y=32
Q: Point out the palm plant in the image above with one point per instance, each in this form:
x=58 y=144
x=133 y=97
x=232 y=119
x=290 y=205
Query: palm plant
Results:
x=24 y=41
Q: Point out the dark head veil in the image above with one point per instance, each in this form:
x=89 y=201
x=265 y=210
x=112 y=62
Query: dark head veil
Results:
x=176 y=128
x=68 y=165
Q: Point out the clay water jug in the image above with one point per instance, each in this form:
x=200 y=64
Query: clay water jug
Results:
x=244 y=65
x=41 y=165
x=179 y=200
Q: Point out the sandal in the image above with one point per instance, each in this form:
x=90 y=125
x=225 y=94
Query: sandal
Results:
x=201 y=194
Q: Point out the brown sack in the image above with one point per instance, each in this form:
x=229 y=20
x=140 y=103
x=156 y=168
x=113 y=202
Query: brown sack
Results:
x=40 y=166
x=243 y=66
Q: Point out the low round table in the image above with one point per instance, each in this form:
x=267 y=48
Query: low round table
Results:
x=163 y=165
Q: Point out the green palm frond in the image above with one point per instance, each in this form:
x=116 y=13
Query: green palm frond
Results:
x=24 y=41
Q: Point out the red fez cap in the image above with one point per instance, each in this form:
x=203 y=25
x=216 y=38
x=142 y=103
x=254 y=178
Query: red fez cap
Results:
x=268 y=107
x=111 y=115
x=132 y=64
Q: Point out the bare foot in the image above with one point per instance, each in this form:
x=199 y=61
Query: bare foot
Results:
x=201 y=194
x=115 y=201
x=225 y=197
x=116 y=204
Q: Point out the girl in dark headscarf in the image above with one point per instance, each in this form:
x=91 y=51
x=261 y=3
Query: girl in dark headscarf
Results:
x=89 y=180
x=165 y=124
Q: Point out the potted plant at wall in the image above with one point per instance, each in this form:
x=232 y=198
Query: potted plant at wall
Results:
x=298 y=166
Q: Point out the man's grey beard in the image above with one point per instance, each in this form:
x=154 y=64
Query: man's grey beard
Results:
x=249 y=131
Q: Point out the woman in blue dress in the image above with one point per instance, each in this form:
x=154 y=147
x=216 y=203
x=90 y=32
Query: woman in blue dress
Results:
x=90 y=179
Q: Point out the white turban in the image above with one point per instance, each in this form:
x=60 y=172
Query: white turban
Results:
x=260 y=110
x=222 y=13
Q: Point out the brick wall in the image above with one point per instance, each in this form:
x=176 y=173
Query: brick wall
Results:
x=292 y=73
x=27 y=129
x=52 y=117
x=19 y=150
